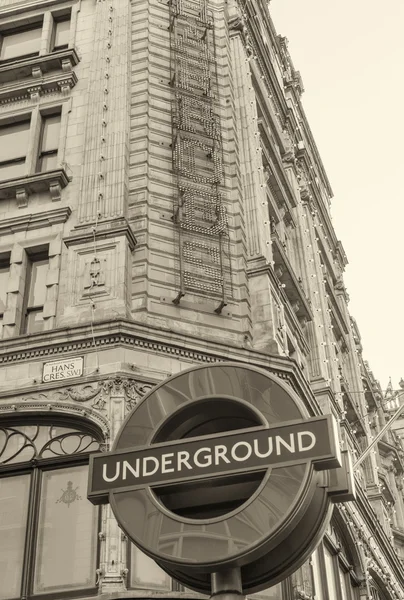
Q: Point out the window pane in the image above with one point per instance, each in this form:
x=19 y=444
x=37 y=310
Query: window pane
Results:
x=330 y=574
x=35 y=321
x=48 y=162
x=146 y=573
x=67 y=532
x=62 y=30
x=12 y=170
x=14 y=141
x=37 y=288
x=21 y=43
x=50 y=133
x=13 y=517
x=273 y=593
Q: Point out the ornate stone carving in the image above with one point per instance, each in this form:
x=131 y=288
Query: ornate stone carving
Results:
x=21 y=195
x=36 y=72
x=95 y=273
x=133 y=390
x=55 y=190
x=35 y=92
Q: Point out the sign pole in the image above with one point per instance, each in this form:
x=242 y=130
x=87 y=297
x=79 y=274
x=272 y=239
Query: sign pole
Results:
x=227 y=585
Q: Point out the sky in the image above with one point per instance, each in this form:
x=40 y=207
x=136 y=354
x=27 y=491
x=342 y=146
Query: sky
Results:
x=350 y=55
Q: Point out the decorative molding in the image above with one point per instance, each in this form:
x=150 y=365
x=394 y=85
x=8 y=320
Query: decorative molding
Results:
x=34 y=220
x=105 y=230
x=55 y=190
x=21 y=197
x=93 y=396
x=38 y=66
x=45 y=405
x=51 y=181
x=126 y=333
x=61 y=82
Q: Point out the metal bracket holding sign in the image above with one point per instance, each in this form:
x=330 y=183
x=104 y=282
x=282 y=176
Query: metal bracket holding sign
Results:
x=221 y=468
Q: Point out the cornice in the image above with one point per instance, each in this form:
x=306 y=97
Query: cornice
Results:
x=59 y=342
x=35 y=220
x=35 y=87
x=34 y=67
x=22 y=187
x=105 y=230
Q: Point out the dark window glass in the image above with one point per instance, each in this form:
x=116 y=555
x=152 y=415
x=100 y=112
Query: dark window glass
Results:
x=24 y=42
x=13 y=148
x=48 y=528
x=47 y=159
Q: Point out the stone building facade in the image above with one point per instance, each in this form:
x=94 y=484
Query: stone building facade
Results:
x=163 y=204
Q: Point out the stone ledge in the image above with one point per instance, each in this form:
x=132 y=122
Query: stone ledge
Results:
x=36 y=66
x=105 y=229
x=147 y=338
x=22 y=187
x=34 y=220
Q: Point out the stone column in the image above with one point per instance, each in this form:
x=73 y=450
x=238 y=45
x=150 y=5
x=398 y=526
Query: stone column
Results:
x=253 y=184
x=103 y=194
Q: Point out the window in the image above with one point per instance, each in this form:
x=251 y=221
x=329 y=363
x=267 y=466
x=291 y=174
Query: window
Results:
x=13 y=148
x=48 y=528
x=35 y=292
x=61 y=32
x=333 y=574
x=49 y=142
x=273 y=593
x=4 y=274
x=145 y=573
x=329 y=564
x=20 y=43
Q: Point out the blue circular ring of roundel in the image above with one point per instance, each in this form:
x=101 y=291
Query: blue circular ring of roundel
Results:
x=192 y=530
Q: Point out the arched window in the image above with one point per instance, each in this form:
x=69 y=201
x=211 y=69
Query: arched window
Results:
x=48 y=528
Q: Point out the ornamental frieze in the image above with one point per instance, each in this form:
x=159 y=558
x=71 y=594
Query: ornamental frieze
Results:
x=93 y=396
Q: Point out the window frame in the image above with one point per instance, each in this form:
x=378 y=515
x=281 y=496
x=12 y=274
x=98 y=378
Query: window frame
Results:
x=35 y=256
x=21 y=29
x=41 y=154
x=46 y=21
x=37 y=116
x=27 y=118
x=4 y=266
x=35 y=468
x=339 y=562
x=59 y=19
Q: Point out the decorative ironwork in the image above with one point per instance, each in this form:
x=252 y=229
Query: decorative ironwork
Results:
x=69 y=443
x=200 y=212
x=69 y=495
x=29 y=442
x=16 y=445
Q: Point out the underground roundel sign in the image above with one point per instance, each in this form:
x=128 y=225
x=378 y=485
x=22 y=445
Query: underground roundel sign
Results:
x=221 y=467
